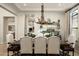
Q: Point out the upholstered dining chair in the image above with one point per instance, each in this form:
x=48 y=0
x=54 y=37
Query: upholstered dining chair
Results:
x=26 y=46
x=71 y=42
x=40 y=45
x=53 y=45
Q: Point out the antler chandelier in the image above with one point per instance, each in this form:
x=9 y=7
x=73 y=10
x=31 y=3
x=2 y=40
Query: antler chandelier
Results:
x=42 y=21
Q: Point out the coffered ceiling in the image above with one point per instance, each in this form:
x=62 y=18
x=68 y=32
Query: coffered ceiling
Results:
x=37 y=6
x=47 y=6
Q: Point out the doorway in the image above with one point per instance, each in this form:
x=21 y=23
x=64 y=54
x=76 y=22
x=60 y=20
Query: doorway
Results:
x=8 y=26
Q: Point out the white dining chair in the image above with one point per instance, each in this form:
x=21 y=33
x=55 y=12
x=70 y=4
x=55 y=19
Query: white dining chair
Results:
x=26 y=45
x=53 y=45
x=40 y=45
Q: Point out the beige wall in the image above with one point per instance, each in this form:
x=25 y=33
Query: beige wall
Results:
x=20 y=25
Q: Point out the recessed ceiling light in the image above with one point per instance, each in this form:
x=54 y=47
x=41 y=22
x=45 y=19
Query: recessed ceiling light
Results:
x=59 y=4
x=25 y=4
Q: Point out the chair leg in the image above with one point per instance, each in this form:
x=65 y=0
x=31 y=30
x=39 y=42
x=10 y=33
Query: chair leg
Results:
x=67 y=52
x=73 y=52
x=8 y=53
x=63 y=53
x=14 y=52
x=46 y=51
x=33 y=52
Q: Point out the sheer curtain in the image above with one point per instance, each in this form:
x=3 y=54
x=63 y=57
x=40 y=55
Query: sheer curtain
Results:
x=67 y=25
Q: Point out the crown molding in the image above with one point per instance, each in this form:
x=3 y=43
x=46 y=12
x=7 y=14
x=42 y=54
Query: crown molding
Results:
x=72 y=7
x=7 y=9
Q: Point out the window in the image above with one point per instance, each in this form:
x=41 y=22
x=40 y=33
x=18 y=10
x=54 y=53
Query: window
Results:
x=75 y=19
x=74 y=22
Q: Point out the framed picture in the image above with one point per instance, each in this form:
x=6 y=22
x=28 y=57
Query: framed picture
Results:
x=11 y=27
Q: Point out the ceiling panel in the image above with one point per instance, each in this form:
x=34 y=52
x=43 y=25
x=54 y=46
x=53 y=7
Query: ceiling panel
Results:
x=47 y=6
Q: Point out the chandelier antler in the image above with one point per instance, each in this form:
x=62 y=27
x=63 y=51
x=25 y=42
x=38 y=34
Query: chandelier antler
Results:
x=42 y=21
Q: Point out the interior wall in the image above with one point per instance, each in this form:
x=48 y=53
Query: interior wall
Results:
x=53 y=15
x=3 y=13
x=20 y=21
x=5 y=28
x=20 y=25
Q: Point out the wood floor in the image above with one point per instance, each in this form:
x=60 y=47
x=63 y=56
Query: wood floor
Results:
x=3 y=50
